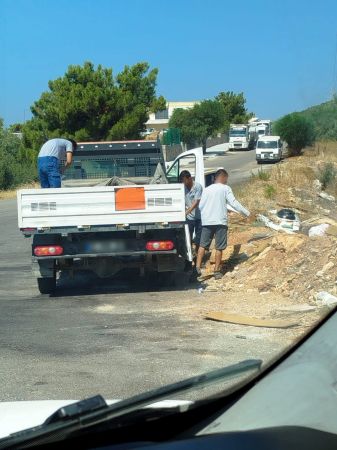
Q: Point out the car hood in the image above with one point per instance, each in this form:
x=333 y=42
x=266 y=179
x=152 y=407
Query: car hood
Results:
x=17 y=416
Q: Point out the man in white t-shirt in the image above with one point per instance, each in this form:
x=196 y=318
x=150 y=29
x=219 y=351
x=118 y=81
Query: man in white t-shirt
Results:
x=214 y=218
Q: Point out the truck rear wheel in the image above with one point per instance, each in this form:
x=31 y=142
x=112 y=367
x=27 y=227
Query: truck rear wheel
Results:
x=46 y=285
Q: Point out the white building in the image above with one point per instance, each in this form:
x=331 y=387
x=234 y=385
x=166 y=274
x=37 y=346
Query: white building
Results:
x=159 y=120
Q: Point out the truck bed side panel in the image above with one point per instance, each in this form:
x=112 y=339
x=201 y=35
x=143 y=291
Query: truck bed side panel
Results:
x=38 y=208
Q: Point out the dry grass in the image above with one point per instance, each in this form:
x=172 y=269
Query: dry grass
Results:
x=11 y=193
x=296 y=172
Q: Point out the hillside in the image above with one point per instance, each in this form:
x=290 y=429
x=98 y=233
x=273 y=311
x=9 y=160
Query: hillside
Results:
x=324 y=118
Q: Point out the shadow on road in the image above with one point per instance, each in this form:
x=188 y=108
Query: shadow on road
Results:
x=87 y=283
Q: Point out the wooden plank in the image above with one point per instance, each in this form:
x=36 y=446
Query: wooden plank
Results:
x=250 y=321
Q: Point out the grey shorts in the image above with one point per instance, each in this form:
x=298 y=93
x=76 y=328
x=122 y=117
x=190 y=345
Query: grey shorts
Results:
x=217 y=231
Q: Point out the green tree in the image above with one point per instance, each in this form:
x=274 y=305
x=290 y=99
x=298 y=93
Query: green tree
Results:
x=198 y=123
x=296 y=130
x=17 y=164
x=234 y=108
x=91 y=104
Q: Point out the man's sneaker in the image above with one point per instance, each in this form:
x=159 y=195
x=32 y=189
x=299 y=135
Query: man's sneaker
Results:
x=217 y=275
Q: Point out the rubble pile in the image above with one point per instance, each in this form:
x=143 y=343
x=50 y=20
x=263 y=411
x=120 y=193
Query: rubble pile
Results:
x=294 y=265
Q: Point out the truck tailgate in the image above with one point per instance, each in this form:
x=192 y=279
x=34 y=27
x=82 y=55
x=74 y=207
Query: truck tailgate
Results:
x=101 y=205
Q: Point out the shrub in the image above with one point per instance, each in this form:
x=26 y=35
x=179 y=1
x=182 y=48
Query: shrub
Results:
x=262 y=175
x=17 y=164
x=327 y=175
x=269 y=191
x=296 y=130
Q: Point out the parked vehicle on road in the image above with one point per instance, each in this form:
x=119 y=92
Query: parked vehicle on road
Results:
x=269 y=148
x=118 y=208
x=238 y=137
x=147 y=132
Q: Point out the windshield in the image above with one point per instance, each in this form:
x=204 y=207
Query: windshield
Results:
x=235 y=133
x=142 y=240
x=267 y=144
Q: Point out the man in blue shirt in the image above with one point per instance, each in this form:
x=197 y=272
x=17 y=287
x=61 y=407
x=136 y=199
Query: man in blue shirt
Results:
x=51 y=154
x=193 y=191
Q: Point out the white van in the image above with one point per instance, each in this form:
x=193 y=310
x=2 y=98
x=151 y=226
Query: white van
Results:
x=269 y=148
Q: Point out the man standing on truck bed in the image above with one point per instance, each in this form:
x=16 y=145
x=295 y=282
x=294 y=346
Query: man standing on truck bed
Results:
x=50 y=156
x=193 y=191
x=214 y=218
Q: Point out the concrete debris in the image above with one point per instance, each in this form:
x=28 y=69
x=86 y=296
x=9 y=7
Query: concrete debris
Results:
x=326 y=196
x=318 y=230
x=324 y=298
x=317 y=185
x=325 y=269
x=272 y=225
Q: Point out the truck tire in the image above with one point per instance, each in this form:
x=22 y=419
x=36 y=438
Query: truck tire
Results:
x=46 y=285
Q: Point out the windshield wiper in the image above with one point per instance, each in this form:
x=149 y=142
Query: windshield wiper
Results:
x=94 y=410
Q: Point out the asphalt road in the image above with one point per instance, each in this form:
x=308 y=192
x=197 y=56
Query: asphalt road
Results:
x=239 y=164
x=114 y=337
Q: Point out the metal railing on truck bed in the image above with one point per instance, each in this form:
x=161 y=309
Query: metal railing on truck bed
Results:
x=104 y=160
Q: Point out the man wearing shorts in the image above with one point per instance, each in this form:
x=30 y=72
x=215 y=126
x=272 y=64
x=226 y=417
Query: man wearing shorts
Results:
x=193 y=191
x=214 y=218
x=49 y=160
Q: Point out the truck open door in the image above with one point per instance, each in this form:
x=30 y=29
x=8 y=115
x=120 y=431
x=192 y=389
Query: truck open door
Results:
x=193 y=161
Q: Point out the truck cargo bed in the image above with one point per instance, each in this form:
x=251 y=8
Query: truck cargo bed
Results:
x=101 y=205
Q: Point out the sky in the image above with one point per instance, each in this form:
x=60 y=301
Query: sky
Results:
x=280 y=53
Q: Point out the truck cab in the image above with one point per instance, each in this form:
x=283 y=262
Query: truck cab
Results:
x=238 y=137
x=269 y=148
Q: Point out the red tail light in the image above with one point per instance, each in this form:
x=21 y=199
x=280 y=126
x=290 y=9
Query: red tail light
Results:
x=159 y=245
x=48 y=250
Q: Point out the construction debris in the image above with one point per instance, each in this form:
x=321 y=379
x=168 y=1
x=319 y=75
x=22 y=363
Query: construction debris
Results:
x=250 y=321
x=324 y=298
x=271 y=271
x=318 y=230
x=326 y=196
x=270 y=224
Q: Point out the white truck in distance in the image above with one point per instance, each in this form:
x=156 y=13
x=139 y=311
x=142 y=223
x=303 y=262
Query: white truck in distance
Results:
x=118 y=208
x=258 y=128
x=238 y=137
x=269 y=148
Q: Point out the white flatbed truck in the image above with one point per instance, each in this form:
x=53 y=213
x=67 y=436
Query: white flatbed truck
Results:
x=118 y=208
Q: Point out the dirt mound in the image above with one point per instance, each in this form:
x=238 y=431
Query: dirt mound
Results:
x=292 y=264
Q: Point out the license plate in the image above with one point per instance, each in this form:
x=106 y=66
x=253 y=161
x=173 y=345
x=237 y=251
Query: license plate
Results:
x=104 y=246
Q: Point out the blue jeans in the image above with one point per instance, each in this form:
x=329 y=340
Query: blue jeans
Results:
x=49 y=172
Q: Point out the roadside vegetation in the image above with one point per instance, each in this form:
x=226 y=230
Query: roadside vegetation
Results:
x=296 y=130
x=17 y=163
x=210 y=117
x=295 y=177
x=324 y=119
x=90 y=103
x=328 y=175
